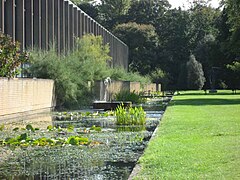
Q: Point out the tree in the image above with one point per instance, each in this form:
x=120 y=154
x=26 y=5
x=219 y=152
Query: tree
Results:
x=208 y=52
x=90 y=9
x=233 y=7
x=142 y=41
x=112 y=12
x=10 y=57
x=195 y=75
x=203 y=18
x=83 y=1
x=147 y=12
x=234 y=75
x=182 y=78
x=174 y=39
x=160 y=77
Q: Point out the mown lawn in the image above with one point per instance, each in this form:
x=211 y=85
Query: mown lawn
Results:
x=198 y=138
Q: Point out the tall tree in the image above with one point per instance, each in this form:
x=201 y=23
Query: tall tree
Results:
x=203 y=18
x=195 y=75
x=234 y=72
x=174 y=39
x=112 y=12
x=83 y=1
x=147 y=12
x=142 y=41
x=209 y=55
x=232 y=7
x=90 y=9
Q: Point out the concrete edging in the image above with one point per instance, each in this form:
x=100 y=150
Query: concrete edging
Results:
x=138 y=167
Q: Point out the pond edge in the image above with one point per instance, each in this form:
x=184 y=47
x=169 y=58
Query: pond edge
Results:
x=137 y=168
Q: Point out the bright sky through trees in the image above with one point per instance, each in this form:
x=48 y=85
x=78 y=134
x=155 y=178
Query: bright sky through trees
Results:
x=185 y=3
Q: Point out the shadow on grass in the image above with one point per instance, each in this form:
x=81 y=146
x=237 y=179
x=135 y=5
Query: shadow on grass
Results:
x=202 y=102
x=208 y=94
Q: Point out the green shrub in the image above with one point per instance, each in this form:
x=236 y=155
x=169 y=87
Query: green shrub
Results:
x=10 y=57
x=131 y=116
x=125 y=95
x=71 y=73
x=48 y=65
x=122 y=75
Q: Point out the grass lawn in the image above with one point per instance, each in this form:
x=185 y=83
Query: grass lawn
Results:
x=198 y=138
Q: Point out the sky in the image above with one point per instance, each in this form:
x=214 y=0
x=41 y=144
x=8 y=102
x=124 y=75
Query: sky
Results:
x=177 y=3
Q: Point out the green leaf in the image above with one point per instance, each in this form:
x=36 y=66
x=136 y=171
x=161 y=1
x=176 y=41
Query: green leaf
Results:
x=16 y=129
x=1 y=127
x=29 y=127
x=22 y=137
x=70 y=128
x=50 y=128
x=72 y=141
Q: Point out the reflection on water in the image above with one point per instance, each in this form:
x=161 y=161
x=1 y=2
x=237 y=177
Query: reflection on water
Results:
x=41 y=120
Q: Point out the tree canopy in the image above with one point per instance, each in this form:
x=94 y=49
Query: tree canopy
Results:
x=163 y=38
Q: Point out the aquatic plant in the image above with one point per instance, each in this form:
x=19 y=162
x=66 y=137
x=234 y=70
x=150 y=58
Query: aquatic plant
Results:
x=130 y=128
x=96 y=128
x=30 y=128
x=1 y=127
x=125 y=95
x=70 y=128
x=52 y=137
x=130 y=116
x=77 y=140
x=50 y=128
x=73 y=116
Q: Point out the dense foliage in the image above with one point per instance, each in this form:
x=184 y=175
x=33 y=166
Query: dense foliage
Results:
x=130 y=116
x=142 y=48
x=24 y=138
x=125 y=95
x=74 y=73
x=10 y=57
x=195 y=75
x=160 y=37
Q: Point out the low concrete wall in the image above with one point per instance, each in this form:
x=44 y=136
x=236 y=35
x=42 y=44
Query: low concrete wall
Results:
x=115 y=87
x=152 y=87
x=25 y=95
x=118 y=86
x=135 y=87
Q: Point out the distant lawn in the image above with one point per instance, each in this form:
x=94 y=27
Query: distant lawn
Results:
x=198 y=138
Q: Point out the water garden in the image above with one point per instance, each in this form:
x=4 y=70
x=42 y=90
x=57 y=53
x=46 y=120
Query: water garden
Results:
x=84 y=144
x=199 y=133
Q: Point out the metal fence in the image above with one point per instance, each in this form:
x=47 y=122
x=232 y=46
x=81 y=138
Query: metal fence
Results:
x=39 y=23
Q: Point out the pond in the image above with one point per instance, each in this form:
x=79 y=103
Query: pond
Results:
x=108 y=151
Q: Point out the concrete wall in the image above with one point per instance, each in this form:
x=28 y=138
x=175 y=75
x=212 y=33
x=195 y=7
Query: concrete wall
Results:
x=100 y=90
x=152 y=87
x=24 y=95
x=135 y=87
x=118 y=86
x=115 y=87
